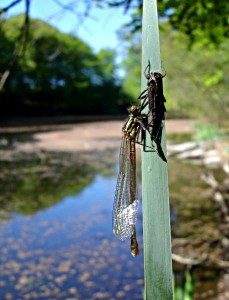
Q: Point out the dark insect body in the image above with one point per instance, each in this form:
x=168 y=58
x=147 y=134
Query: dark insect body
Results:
x=153 y=95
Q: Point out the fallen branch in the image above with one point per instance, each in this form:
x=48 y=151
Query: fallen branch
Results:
x=194 y=262
x=185 y=260
x=222 y=263
x=218 y=196
x=210 y=180
x=219 y=199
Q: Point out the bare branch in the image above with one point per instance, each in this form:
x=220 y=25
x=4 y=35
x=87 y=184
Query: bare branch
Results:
x=219 y=199
x=217 y=195
x=185 y=260
x=222 y=263
x=21 y=43
x=5 y=9
x=80 y=15
x=193 y=262
x=25 y=28
x=68 y=6
x=4 y=77
x=210 y=180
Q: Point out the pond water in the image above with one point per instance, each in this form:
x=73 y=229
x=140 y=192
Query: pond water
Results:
x=68 y=251
x=56 y=238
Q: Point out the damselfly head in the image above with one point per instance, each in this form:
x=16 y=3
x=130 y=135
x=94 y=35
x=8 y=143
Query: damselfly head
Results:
x=133 y=109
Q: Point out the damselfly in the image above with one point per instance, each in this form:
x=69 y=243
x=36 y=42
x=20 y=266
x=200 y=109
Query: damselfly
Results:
x=153 y=95
x=126 y=202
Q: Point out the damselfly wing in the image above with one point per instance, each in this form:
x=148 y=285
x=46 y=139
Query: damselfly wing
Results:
x=126 y=203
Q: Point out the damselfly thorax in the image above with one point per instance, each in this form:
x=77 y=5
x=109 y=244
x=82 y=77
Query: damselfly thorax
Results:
x=134 y=126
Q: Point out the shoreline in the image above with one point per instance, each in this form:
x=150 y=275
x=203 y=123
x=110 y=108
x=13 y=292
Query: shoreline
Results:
x=81 y=136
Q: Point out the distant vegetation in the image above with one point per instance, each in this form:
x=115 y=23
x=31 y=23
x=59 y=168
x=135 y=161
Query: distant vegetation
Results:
x=60 y=74
x=196 y=84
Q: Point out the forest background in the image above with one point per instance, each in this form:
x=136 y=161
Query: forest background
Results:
x=51 y=74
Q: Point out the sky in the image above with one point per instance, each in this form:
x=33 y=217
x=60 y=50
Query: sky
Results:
x=98 y=30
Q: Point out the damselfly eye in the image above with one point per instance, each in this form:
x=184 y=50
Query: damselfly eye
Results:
x=133 y=109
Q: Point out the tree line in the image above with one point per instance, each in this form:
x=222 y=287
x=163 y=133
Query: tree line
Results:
x=192 y=17
x=57 y=73
x=196 y=84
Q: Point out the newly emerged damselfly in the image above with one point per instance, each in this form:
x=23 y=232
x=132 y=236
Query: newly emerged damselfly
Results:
x=126 y=202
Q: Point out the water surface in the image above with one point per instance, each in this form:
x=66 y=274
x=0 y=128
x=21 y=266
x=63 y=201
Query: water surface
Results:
x=56 y=239
x=68 y=251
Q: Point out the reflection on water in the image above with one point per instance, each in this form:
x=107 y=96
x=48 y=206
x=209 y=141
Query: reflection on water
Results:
x=30 y=182
x=68 y=251
x=58 y=247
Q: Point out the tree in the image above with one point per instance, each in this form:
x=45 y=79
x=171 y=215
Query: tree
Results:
x=197 y=80
x=196 y=18
x=57 y=73
x=202 y=21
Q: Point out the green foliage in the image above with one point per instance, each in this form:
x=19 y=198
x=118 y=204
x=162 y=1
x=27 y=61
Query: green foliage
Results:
x=207 y=132
x=178 y=138
x=6 y=47
x=199 y=20
x=131 y=84
x=184 y=291
x=197 y=78
x=59 y=73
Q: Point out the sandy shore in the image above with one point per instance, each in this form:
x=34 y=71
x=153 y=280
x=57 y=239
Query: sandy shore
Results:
x=85 y=136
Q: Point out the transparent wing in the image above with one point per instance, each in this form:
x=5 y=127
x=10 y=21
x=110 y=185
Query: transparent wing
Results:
x=125 y=202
